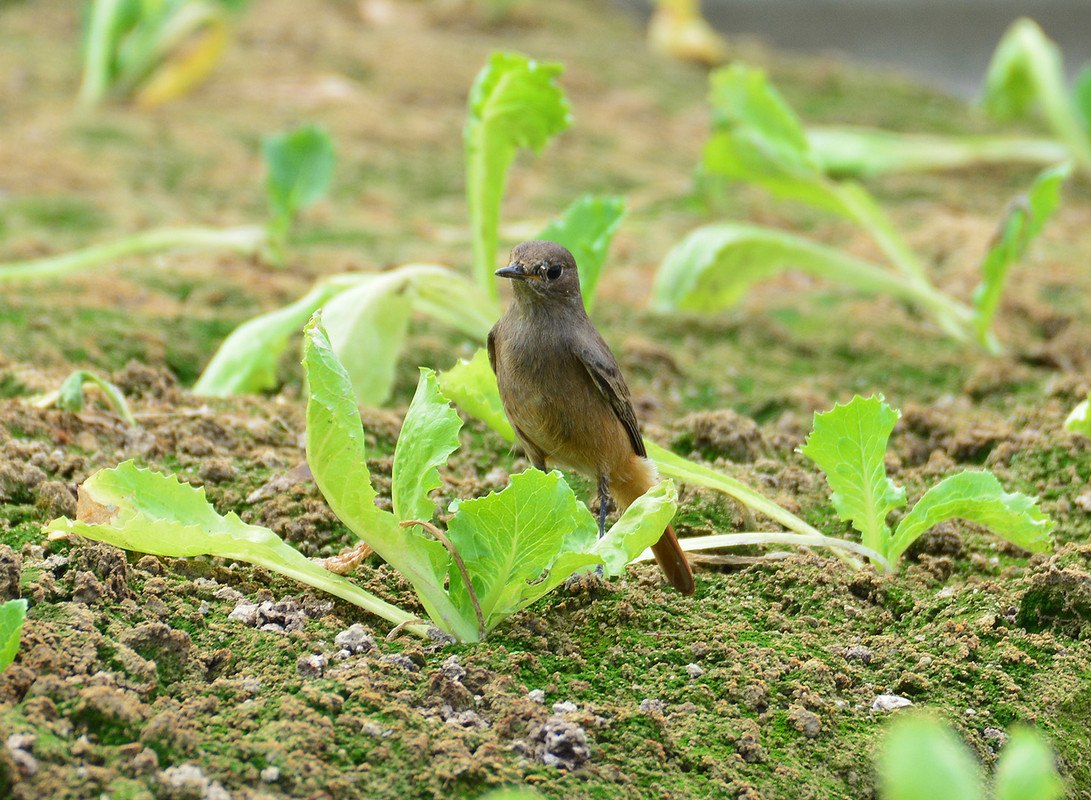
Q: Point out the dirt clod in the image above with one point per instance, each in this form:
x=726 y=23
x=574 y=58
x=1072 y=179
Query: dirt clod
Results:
x=561 y=743
x=56 y=500
x=806 y=722
x=1058 y=596
x=11 y=569
x=724 y=433
x=217 y=470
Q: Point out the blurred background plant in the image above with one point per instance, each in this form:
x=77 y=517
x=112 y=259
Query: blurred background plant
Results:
x=152 y=51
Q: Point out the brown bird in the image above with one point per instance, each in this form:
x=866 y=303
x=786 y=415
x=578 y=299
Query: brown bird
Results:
x=564 y=393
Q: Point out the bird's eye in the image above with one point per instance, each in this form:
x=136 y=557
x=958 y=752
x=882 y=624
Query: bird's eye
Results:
x=553 y=273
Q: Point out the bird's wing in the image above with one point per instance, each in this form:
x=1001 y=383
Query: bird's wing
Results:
x=492 y=350
x=606 y=375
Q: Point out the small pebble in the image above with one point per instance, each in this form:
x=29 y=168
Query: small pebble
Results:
x=452 y=670
x=859 y=653
x=398 y=660
x=270 y=775
x=652 y=705
x=355 y=639
x=536 y=696
x=889 y=702
x=312 y=666
x=564 y=707
x=695 y=670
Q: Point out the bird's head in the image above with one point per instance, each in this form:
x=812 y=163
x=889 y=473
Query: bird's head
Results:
x=542 y=272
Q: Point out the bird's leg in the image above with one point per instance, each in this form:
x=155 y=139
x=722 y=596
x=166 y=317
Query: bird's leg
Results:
x=605 y=504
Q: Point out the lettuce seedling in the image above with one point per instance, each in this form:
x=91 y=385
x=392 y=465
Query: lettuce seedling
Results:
x=12 y=615
x=69 y=397
x=1079 y=421
x=1024 y=771
x=1027 y=72
x=850 y=151
x=499 y=554
x=514 y=103
x=366 y=314
x=1026 y=216
x=756 y=137
x=154 y=50
x=586 y=228
x=299 y=169
x=849 y=444
x=298 y=165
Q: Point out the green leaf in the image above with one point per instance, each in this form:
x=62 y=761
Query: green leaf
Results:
x=857 y=152
x=514 y=103
x=1079 y=421
x=367 y=326
x=714 y=266
x=745 y=105
x=639 y=527
x=144 y=511
x=338 y=459
x=246 y=361
x=586 y=228
x=1025 y=217
x=12 y=615
x=454 y=300
x=510 y=537
x=922 y=759
x=70 y=395
x=849 y=445
x=1025 y=770
x=1025 y=61
x=1026 y=72
x=299 y=169
x=1081 y=96
x=471 y=385
x=429 y=435
x=758 y=138
x=977 y=497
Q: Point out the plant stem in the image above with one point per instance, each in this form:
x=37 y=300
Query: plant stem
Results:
x=101 y=41
x=245 y=240
x=675 y=466
x=442 y=538
x=321 y=578
x=767 y=537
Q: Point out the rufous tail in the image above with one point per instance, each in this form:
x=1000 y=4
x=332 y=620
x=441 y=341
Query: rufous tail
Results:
x=672 y=560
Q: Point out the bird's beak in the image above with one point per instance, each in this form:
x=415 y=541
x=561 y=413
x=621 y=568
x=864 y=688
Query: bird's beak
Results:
x=516 y=272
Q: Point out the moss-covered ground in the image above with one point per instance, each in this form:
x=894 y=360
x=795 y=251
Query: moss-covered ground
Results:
x=133 y=680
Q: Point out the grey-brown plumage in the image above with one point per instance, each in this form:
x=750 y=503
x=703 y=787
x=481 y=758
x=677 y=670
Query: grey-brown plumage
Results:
x=564 y=393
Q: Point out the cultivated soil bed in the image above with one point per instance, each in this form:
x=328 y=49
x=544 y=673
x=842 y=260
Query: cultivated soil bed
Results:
x=142 y=677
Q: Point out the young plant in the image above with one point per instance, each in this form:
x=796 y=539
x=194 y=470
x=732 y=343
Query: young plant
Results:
x=12 y=615
x=69 y=397
x=1079 y=421
x=849 y=444
x=152 y=50
x=758 y=138
x=1024 y=771
x=298 y=166
x=499 y=553
x=367 y=314
x=1027 y=72
x=299 y=169
x=850 y=151
x=514 y=103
